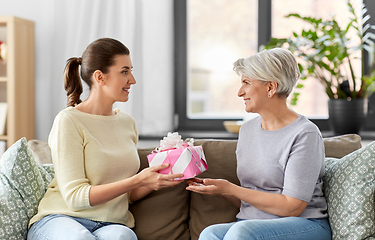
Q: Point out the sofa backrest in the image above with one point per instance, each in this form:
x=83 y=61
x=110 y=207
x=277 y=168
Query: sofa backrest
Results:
x=174 y=213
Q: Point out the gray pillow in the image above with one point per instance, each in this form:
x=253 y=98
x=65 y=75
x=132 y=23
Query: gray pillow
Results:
x=22 y=184
x=349 y=187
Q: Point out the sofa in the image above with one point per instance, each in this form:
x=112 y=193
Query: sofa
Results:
x=174 y=213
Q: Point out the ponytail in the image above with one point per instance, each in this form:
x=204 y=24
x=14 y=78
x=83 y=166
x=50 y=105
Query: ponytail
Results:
x=72 y=81
x=99 y=55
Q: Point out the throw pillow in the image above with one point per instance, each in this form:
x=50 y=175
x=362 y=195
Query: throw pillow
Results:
x=22 y=185
x=349 y=187
x=13 y=213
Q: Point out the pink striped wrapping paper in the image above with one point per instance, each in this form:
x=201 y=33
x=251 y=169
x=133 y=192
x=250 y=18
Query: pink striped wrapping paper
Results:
x=189 y=161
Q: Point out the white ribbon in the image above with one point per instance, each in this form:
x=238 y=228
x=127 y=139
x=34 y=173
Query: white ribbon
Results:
x=173 y=140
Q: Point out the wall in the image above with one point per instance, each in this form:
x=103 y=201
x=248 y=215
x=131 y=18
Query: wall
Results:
x=64 y=28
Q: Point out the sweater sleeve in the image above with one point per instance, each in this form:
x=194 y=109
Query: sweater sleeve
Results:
x=305 y=166
x=67 y=148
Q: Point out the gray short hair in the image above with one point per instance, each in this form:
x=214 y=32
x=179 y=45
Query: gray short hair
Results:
x=276 y=64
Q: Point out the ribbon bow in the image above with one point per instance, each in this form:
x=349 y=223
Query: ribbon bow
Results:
x=173 y=141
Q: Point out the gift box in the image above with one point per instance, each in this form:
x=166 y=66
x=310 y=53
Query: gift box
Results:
x=182 y=157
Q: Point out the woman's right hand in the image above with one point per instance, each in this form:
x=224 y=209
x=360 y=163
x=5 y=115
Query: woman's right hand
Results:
x=150 y=178
x=218 y=187
x=140 y=185
x=209 y=186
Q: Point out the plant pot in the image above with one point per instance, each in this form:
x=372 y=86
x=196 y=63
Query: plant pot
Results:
x=347 y=116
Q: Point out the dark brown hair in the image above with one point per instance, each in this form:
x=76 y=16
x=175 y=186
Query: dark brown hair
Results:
x=99 y=55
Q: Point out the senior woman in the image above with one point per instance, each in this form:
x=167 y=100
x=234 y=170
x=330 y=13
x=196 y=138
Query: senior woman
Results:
x=280 y=160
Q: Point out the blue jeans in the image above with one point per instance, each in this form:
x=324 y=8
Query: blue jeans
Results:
x=58 y=227
x=288 y=228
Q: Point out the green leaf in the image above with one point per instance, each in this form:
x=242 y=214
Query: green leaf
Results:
x=326 y=51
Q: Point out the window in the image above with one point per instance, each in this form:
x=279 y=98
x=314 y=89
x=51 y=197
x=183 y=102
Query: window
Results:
x=210 y=35
x=215 y=39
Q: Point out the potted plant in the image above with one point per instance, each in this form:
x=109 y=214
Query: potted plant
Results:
x=326 y=52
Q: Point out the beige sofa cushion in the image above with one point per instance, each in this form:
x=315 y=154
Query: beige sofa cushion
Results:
x=340 y=146
x=41 y=151
x=162 y=214
x=206 y=210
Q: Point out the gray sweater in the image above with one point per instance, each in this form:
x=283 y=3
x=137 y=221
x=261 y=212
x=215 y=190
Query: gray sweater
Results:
x=288 y=161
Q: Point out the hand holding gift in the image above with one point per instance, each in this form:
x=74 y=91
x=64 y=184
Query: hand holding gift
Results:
x=182 y=157
x=152 y=179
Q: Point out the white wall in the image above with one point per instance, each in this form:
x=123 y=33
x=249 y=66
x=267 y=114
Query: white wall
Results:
x=145 y=26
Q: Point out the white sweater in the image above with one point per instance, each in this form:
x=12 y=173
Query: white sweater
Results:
x=90 y=150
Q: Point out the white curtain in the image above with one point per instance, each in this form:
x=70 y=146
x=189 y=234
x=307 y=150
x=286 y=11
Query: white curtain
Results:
x=75 y=25
x=64 y=29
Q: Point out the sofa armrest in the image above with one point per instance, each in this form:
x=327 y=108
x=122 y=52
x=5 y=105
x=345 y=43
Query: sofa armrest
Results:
x=340 y=146
x=41 y=151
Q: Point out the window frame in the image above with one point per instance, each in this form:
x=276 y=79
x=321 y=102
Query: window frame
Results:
x=181 y=121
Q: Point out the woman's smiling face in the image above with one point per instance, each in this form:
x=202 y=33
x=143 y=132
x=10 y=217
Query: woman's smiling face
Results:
x=254 y=93
x=119 y=79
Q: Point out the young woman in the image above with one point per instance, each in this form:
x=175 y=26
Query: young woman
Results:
x=280 y=160
x=94 y=153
